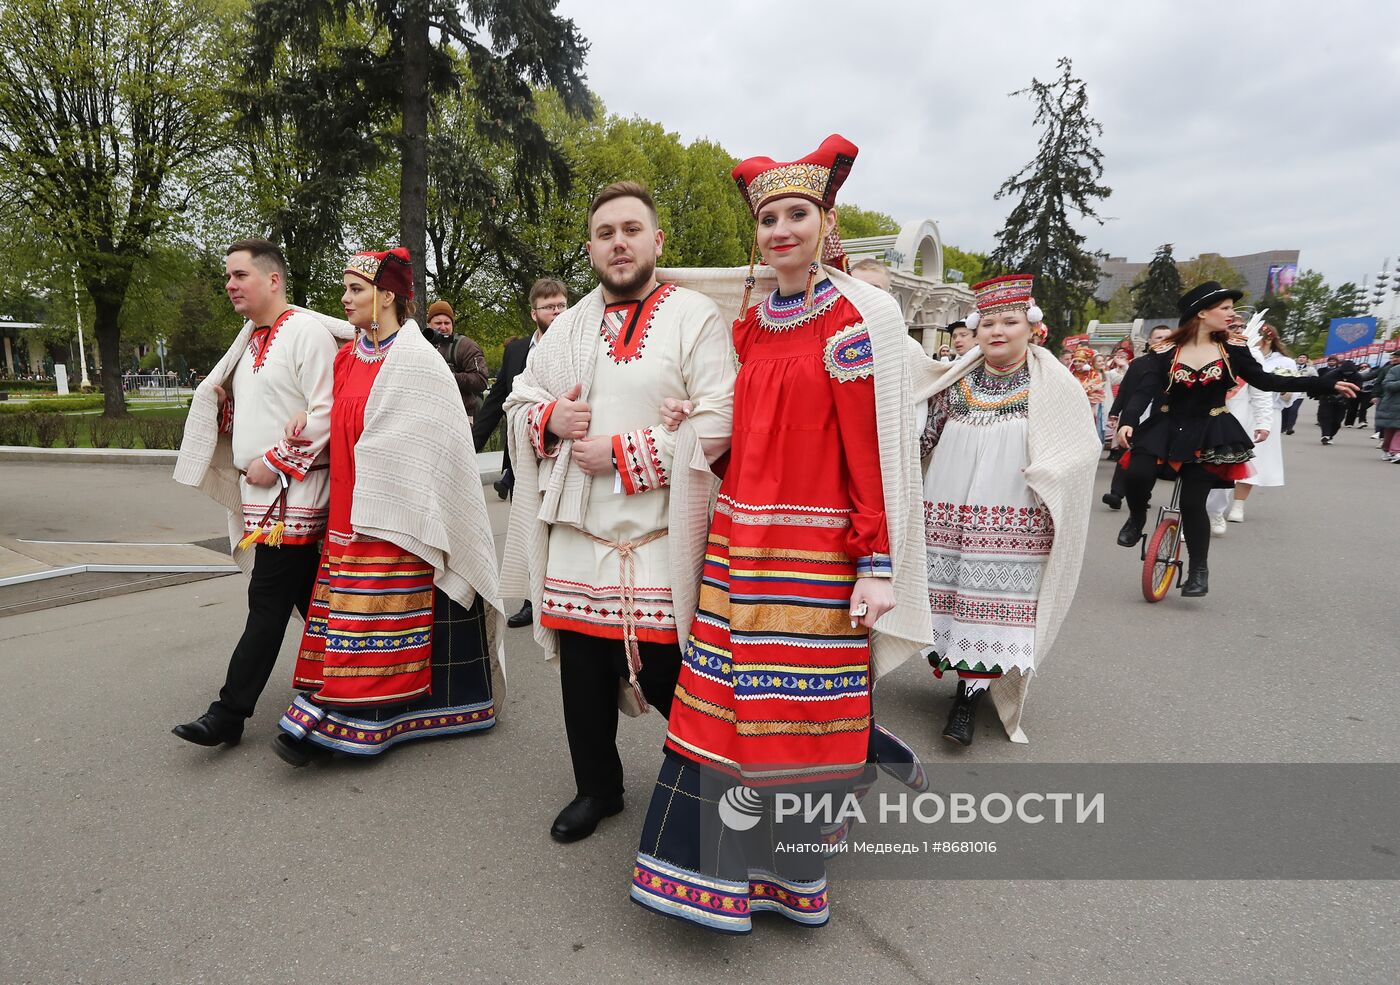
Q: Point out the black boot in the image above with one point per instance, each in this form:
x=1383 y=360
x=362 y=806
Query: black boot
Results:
x=293 y=752
x=580 y=818
x=1113 y=500
x=962 y=718
x=210 y=730
x=1197 y=581
x=524 y=617
x=1131 y=533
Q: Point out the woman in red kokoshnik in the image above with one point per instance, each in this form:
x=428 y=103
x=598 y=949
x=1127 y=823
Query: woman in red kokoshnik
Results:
x=807 y=550
x=395 y=646
x=1191 y=432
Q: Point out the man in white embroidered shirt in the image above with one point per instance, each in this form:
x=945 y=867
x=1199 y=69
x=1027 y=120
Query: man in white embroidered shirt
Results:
x=285 y=369
x=594 y=494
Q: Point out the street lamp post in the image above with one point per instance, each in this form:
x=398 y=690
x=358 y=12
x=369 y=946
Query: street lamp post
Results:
x=86 y=384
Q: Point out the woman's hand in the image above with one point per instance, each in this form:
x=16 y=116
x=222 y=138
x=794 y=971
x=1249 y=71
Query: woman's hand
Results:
x=219 y=394
x=1261 y=436
x=292 y=432
x=674 y=411
x=1124 y=436
x=871 y=599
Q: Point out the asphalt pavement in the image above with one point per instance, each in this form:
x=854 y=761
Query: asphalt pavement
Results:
x=131 y=857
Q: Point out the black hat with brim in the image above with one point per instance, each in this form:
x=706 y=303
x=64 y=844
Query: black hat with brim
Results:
x=1201 y=297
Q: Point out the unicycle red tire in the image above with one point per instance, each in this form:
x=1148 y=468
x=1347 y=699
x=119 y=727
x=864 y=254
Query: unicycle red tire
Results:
x=1159 y=566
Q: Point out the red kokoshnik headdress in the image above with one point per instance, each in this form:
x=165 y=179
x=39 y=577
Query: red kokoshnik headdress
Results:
x=391 y=270
x=816 y=178
x=1004 y=294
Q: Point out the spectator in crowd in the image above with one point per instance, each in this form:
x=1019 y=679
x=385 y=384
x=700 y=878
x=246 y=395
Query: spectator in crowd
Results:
x=548 y=300
x=873 y=272
x=1290 y=413
x=964 y=338
x=1388 y=407
x=1332 y=406
x=464 y=357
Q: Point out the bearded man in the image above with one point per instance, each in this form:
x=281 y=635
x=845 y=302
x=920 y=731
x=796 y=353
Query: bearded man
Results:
x=606 y=549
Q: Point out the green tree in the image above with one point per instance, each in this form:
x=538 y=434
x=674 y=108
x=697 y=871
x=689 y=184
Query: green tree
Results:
x=1063 y=177
x=970 y=265
x=1157 y=290
x=414 y=52
x=858 y=223
x=1211 y=266
x=107 y=119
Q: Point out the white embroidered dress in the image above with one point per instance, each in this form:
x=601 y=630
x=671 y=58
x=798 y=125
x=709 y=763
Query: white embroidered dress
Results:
x=988 y=536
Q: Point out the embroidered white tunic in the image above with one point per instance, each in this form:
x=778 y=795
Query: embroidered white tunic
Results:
x=672 y=343
x=285 y=370
x=987 y=533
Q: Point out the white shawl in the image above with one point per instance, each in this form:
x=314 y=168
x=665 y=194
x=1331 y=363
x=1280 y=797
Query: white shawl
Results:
x=206 y=456
x=1064 y=452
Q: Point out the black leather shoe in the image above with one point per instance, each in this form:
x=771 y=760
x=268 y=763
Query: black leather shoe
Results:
x=209 y=730
x=502 y=488
x=293 y=752
x=1197 y=582
x=962 y=718
x=581 y=817
x=1114 y=502
x=1132 y=531
x=524 y=617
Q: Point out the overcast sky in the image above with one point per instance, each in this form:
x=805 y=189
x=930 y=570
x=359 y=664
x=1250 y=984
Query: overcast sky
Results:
x=1229 y=127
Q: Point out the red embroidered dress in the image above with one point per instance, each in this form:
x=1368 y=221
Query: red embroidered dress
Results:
x=368 y=637
x=774 y=678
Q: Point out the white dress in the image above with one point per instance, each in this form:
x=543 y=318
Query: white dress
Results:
x=1268 y=454
x=988 y=536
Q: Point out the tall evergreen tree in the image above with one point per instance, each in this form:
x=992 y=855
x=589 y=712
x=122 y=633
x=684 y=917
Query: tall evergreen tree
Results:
x=1156 y=295
x=413 y=50
x=1038 y=237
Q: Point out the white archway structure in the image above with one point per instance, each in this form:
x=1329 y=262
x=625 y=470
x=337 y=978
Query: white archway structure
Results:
x=919 y=249
x=915 y=259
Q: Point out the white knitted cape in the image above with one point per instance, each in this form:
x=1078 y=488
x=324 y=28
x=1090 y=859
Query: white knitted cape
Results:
x=1064 y=452
x=206 y=456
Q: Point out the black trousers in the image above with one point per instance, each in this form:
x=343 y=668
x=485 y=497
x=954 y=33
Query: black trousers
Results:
x=590 y=670
x=1196 y=484
x=283 y=578
x=1290 y=415
x=1330 y=412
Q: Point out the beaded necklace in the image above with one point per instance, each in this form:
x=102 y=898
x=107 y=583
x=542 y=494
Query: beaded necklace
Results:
x=782 y=314
x=365 y=351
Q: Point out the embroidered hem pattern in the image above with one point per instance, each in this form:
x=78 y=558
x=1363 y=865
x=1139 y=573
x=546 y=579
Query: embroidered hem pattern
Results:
x=305 y=524
x=722 y=905
x=596 y=610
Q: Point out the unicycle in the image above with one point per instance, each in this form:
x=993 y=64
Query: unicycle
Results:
x=1161 y=551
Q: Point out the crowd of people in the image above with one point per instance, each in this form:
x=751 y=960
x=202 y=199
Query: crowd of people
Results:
x=741 y=525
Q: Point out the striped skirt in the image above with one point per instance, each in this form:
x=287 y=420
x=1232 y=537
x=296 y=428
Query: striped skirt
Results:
x=451 y=693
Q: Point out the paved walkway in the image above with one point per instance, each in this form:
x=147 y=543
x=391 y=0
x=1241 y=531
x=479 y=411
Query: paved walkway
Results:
x=131 y=857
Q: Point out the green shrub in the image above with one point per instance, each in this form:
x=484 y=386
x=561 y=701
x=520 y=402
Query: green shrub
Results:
x=17 y=429
x=47 y=429
x=67 y=404
x=159 y=432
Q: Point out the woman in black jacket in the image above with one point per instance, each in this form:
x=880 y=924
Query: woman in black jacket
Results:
x=1191 y=431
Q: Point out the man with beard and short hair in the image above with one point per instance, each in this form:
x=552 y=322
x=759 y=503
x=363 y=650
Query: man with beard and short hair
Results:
x=964 y=338
x=548 y=300
x=609 y=556
x=464 y=357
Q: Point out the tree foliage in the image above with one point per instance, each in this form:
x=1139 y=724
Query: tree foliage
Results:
x=857 y=223
x=971 y=265
x=1155 y=294
x=1211 y=266
x=415 y=52
x=107 y=118
x=1039 y=236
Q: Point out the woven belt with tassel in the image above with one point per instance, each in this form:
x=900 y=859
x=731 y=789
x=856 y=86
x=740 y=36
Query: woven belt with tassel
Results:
x=627 y=576
x=273 y=535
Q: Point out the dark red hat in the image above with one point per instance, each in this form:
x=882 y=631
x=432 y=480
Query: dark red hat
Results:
x=817 y=177
x=391 y=270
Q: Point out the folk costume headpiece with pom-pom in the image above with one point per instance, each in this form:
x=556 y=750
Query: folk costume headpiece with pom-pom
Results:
x=816 y=178
x=391 y=269
x=1005 y=294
